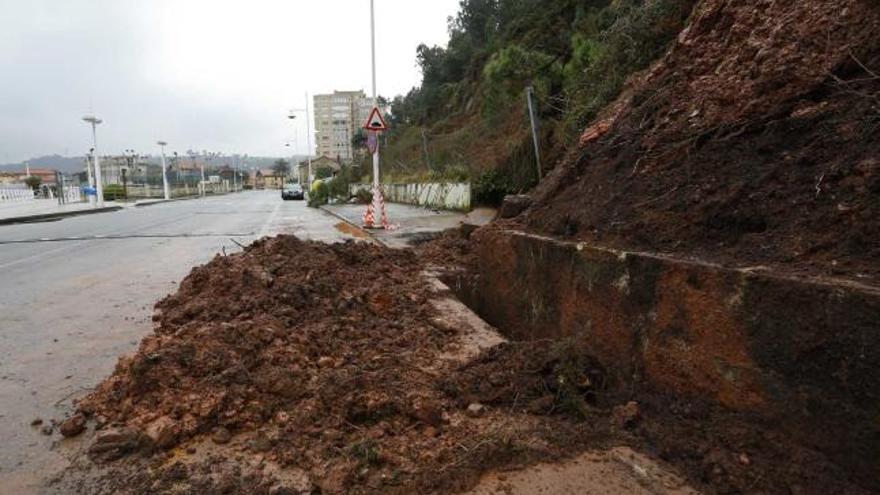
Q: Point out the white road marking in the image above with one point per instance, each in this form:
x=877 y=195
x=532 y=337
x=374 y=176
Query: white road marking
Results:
x=264 y=231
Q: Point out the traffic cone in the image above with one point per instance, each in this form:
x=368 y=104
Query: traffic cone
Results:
x=369 y=216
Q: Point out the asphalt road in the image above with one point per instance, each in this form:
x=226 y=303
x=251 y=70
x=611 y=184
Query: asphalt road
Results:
x=77 y=293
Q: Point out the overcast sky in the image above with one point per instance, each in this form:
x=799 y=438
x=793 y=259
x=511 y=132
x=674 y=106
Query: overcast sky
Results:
x=218 y=75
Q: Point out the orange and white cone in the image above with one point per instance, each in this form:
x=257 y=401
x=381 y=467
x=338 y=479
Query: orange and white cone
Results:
x=369 y=217
x=385 y=223
x=376 y=207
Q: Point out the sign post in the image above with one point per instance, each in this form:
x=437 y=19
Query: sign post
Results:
x=375 y=124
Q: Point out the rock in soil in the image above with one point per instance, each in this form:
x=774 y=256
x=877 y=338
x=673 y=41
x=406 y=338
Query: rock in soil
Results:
x=163 y=432
x=221 y=436
x=513 y=205
x=114 y=443
x=74 y=425
x=475 y=410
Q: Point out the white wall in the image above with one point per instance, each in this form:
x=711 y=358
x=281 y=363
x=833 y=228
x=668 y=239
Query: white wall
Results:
x=445 y=195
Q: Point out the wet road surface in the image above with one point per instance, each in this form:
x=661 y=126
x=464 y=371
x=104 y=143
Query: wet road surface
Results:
x=75 y=294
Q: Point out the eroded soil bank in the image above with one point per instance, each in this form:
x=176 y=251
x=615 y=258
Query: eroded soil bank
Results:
x=753 y=142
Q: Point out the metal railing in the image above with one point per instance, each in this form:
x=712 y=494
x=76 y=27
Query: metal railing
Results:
x=15 y=193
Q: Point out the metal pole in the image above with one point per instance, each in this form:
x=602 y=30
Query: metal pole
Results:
x=530 y=95
x=375 y=101
x=98 y=185
x=165 y=187
x=373 y=47
x=202 y=186
x=309 y=140
x=125 y=183
x=91 y=179
x=59 y=183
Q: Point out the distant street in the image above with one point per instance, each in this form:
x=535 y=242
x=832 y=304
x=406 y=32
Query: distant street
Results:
x=69 y=308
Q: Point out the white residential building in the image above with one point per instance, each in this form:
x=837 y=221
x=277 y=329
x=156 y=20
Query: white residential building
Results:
x=338 y=117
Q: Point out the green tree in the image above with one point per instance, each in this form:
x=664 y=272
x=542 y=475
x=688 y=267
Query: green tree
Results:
x=33 y=182
x=323 y=172
x=281 y=167
x=359 y=141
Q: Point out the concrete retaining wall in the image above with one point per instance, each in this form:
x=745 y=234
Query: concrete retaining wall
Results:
x=445 y=195
x=805 y=354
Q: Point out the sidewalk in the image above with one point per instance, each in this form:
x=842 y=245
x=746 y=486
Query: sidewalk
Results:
x=413 y=222
x=45 y=209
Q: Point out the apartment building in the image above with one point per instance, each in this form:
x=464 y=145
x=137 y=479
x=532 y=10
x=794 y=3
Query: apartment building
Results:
x=338 y=116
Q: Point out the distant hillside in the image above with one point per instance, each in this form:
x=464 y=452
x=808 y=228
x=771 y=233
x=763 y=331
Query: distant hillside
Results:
x=65 y=164
x=469 y=119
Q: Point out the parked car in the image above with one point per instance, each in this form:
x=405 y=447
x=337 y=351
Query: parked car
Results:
x=292 y=191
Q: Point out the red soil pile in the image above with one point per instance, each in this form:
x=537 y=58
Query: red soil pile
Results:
x=320 y=358
x=300 y=367
x=754 y=141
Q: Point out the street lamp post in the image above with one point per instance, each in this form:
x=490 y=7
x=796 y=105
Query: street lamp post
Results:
x=176 y=168
x=308 y=138
x=89 y=158
x=130 y=157
x=94 y=121
x=162 y=145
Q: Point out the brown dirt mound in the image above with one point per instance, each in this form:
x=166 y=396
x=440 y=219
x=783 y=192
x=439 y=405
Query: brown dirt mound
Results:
x=450 y=250
x=323 y=358
x=754 y=141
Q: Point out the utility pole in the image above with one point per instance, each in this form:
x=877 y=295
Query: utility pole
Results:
x=125 y=183
x=94 y=121
x=375 y=97
x=292 y=116
x=309 y=141
x=165 y=188
x=530 y=96
x=59 y=181
x=89 y=173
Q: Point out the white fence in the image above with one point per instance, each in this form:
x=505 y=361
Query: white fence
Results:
x=445 y=195
x=73 y=194
x=15 y=193
x=21 y=193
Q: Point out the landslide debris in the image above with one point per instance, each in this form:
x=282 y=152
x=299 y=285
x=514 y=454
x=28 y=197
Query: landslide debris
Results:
x=307 y=356
x=753 y=141
x=301 y=367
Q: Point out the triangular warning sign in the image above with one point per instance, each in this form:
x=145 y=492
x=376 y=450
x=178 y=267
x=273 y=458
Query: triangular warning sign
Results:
x=376 y=122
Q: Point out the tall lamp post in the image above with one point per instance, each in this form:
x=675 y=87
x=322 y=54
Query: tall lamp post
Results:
x=291 y=116
x=89 y=158
x=375 y=93
x=162 y=145
x=94 y=121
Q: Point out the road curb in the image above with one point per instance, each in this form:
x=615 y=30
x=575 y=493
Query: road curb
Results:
x=366 y=232
x=56 y=216
x=163 y=201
